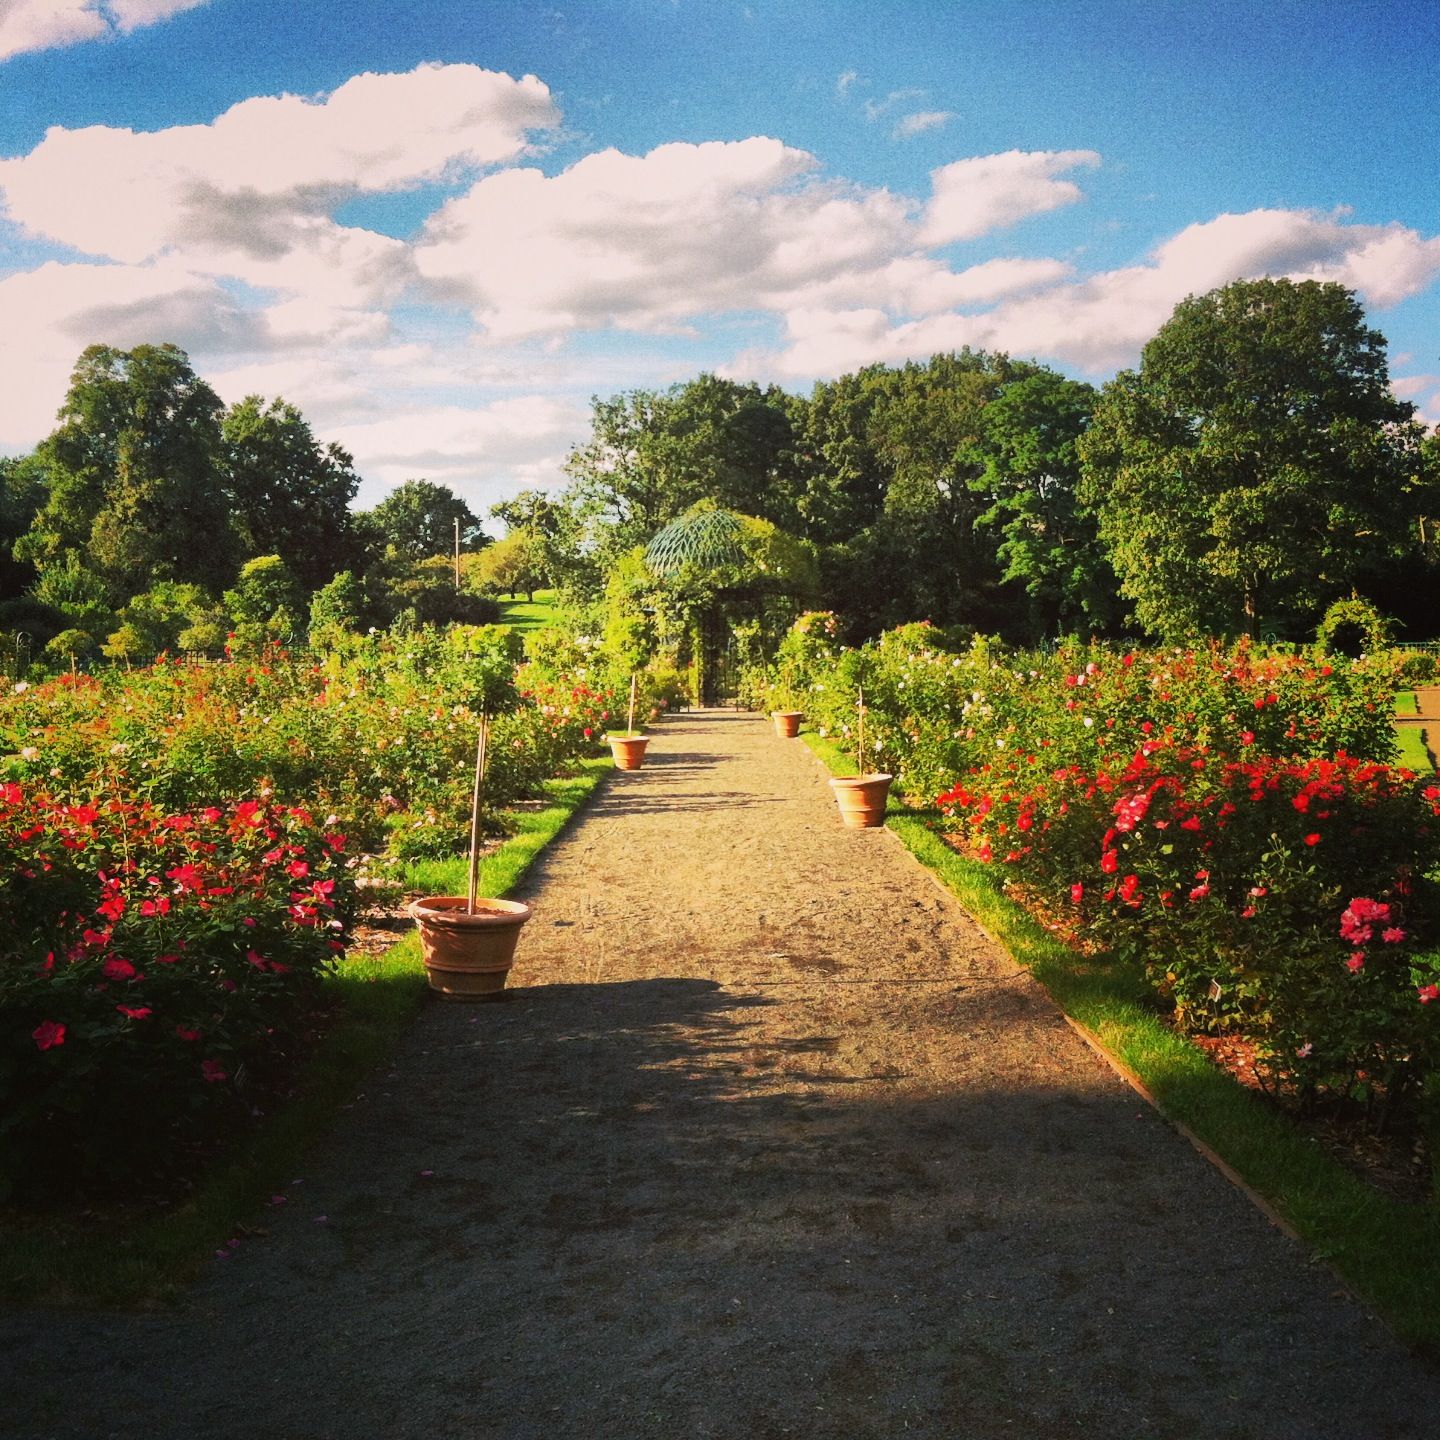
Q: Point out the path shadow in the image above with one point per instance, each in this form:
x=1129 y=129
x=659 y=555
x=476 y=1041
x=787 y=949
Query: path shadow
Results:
x=661 y=1208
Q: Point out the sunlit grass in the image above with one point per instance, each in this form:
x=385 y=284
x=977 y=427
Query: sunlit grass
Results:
x=1414 y=748
x=1384 y=1248
x=1406 y=703
x=527 y=615
x=126 y=1259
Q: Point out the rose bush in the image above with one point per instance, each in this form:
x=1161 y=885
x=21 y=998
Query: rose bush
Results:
x=383 y=734
x=1201 y=814
x=159 y=971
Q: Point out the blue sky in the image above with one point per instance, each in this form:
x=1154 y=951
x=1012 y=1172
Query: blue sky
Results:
x=441 y=262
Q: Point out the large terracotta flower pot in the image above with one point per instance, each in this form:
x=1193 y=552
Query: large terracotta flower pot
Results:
x=628 y=750
x=787 y=722
x=468 y=953
x=861 y=799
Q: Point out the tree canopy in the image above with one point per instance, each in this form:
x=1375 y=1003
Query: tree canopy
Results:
x=1257 y=462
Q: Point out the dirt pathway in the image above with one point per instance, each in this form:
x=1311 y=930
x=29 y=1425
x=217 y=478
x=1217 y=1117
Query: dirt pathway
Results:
x=771 y=1142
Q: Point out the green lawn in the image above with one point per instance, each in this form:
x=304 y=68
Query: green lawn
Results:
x=145 y=1257
x=1384 y=1248
x=527 y=615
x=1414 y=748
x=1406 y=703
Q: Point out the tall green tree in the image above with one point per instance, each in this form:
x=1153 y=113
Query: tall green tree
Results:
x=1049 y=545
x=289 y=495
x=22 y=492
x=1256 y=464
x=416 y=520
x=131 y=474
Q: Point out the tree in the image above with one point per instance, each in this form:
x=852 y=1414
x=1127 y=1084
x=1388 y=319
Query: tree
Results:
x=22 y=491
x=549 y=528
x=1256 y=463
x=417 y=520
x=288 y=494
x=1049 y=543
x=131 y=474
x=266 y=602
x=509 y=565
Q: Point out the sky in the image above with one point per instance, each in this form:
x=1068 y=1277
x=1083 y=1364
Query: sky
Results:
x=440 y=227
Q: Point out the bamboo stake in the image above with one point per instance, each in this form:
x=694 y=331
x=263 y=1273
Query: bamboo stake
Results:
x=475 y=810
x=631 y=726
x=860 y=728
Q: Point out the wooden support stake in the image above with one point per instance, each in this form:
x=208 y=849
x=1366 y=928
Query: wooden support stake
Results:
x=631 y=726
x=475 y=810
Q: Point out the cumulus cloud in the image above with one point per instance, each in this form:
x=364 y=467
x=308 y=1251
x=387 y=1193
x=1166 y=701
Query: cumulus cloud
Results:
x=269 y=161
x=482 y=453
x=250 y=197
x=1101 y=321
x=52 y=313
x=909 y=126
x=649 y=242
x=971 y=197
x=27 y=25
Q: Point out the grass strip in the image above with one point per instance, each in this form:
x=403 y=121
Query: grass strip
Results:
x=1406 y=703
x=1414 y=742
x=528 y=615
x=138 y=1260
x=1384 y=1249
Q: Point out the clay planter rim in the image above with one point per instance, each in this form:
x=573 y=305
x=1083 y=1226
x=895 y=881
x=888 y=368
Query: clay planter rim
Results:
x=452 y=912
x=775 y=713
x=628 y=735
x=843 y=782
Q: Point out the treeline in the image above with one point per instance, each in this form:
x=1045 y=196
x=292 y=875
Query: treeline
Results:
x=155 y=518
x=1254 y=469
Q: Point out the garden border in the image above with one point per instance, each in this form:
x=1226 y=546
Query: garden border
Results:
x=1336 y=1216
x=67 y=1263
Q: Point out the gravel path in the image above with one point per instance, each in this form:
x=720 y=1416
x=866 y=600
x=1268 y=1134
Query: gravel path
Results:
x=770 y=1141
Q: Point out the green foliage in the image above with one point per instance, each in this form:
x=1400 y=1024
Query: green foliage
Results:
x=154 y=964
x=507 y=566
x=131 y=474
x=266 y=602
x=1256 y=464
x=289 y=496
x=1354 y=627
x=416 y=520
x=70 y=646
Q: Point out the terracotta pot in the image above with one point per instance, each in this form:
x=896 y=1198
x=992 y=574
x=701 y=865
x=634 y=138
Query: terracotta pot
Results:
x=861 y=799
x=468 y=954
x=628 y=750
x=787 y=722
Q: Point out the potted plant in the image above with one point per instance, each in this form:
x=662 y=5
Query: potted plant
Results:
x=861 y=797
x=468 y=944
x=628 y=747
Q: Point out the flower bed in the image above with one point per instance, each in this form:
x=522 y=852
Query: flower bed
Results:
x=1200 y=814
x=383 y=735
x=158 y=974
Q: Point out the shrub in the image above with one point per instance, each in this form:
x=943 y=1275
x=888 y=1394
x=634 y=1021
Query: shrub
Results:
x=158 y=974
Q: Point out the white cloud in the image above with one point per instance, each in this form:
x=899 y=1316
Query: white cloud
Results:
x=877 y=109
x=482 y=452
x=1101 y=321
x=52 y=313
x=650 y=242
x=989 y=192
x=132 y=14
x=1423 y=391
x=844 y=81
x=250 y=196
x=917 y=124
x=269 y=164
x=27 y=25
